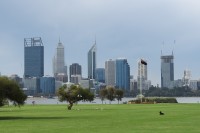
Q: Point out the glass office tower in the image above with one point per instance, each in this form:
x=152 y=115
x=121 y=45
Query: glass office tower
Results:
x=123 y=75
x=33 y=57
x=100 y=75
x=92 y=62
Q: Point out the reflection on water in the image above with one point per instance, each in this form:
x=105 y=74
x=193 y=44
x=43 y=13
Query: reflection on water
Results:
x=98 y=101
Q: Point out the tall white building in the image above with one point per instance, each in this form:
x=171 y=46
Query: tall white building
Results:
x=186 y=77
x=142 y=75
x=59 y=61
x=110 y=72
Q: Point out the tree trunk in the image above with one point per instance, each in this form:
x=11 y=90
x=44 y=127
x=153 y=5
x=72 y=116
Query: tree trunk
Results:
x=69 y=107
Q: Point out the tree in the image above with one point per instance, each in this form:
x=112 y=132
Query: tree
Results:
x=103 y=93
x=73 y=94
x=110 y=93
x=119 y=94
x=9 y=90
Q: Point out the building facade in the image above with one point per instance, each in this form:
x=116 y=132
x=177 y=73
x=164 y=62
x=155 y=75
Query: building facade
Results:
x=74 y=69
x=142 y=76
x=47 y=86
x=122 y=76
x=167 y=71
x=100 y=75
x=59 y=68
x=33 y=57
x=110 y=73
x=31 y=86
x=92 y=62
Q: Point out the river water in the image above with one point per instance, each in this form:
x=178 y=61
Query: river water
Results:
x=98 y=101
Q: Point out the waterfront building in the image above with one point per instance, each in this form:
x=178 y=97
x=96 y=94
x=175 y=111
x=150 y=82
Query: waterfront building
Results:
x=31 y=86
x=47 y=86
x=167 y=71
x=193 y=84
x=59 y=68
x=142 y=75
x=85 y=83
x=100 y=75
x=110 y=73
x=122 y=77
x=33 y=57
x=75 y=69
x=76 y=79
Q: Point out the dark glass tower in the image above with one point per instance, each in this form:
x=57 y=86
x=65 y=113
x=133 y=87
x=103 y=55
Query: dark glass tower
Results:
x=33 y=57
x=167 y=71
x=92 y=62
x=75 y=69
x=123 y=75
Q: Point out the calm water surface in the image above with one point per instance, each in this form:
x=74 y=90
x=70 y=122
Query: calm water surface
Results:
x=98 y=101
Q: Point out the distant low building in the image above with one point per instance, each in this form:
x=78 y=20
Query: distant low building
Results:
x=75 y=79
x=47 y=86
x=31 y=86
x=85 y=83
x=193 y=84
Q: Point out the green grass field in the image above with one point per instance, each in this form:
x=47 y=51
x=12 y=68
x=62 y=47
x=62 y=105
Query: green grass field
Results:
x=126 y=118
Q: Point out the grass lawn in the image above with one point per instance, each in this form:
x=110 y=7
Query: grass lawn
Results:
x=124 y=118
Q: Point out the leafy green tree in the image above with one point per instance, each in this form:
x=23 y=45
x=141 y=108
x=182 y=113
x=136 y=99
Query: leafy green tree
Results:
x=119 y=94
x=9 y=90
x=110 y=93
x=103 y=93
x=73 y=94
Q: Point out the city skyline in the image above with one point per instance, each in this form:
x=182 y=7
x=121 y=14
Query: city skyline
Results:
x=130 y=29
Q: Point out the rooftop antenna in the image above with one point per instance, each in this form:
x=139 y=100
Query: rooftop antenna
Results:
x=173 y=47
x=162 y=46
x=95 y=39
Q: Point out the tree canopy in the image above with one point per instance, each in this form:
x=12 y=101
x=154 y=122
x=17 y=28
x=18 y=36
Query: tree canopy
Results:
x=74 y=94
x=111 y=93
x=9 y=90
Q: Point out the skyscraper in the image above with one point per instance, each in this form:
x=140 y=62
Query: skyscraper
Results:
x=75 y=69
x=33 y=57
x=59 y=67
x=100 y=75
x=110 y=72
x=92 y=62
x=167 y=70
x=142 y=75
x=123 y=75
x=59 y=60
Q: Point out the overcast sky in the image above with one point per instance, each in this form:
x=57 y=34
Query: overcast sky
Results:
x=130 y=29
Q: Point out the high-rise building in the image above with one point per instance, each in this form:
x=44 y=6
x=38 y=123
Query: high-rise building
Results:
x=110 y=72
x=142 y=75
x=92 y=62
x=186 y=77
x=167 y=71
x=74 y=69
x=100 y=75
x=123 y=75
x=59 y=67
x=59 y=60
x=33 y=57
